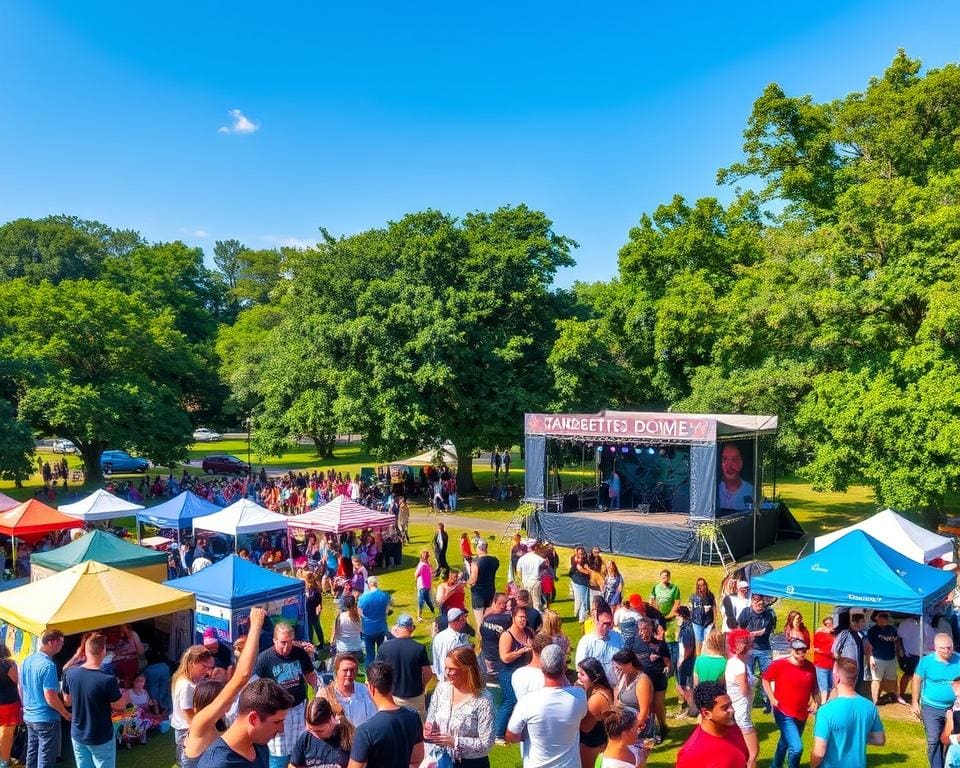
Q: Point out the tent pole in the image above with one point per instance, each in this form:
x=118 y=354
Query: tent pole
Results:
x=756 y=491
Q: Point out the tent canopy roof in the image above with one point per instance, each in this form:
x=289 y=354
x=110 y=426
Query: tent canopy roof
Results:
x=88 y=596
x=100 y=505
x=7 y=503
x=897 y=532
x=341 y=515
x=103 y=548
x=234 y=582
x=857 y=570
x=447 y=453
x=35 y=517
x=243 y=516
x=182 y=508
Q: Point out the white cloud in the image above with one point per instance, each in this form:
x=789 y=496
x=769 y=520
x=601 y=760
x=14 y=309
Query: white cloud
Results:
x=287 y=241
x=241 y=124
x=200 y=233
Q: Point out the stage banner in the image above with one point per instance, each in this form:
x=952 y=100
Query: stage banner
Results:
x=535 y=461
x=624 y=425
x=703 y=481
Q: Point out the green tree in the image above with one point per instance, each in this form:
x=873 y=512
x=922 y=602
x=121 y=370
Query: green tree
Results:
x=16 y=446
x=99 y=367
x=48 y=249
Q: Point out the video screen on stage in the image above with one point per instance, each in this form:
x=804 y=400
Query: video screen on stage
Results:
x=652 y=478
x=735 y=492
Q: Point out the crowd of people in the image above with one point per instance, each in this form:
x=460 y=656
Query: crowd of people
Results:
x=495 y=666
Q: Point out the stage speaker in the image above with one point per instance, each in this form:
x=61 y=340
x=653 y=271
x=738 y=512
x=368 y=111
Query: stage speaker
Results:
x=571 y=502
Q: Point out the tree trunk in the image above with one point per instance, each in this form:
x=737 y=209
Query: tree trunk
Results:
x=90 y=453
x=465 y=482
x=318 y=445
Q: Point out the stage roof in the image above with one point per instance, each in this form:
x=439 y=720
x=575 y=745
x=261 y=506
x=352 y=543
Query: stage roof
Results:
x=639 y=427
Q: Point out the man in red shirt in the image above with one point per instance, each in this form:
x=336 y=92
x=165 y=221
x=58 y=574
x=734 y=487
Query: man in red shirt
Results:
x=791 y=686
x=717 y=742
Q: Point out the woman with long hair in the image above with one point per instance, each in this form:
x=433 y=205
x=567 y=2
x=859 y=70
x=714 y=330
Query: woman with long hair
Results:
x=580 y=578
x=634 y=688
x=11 y=711
x=740 y=682
x=346 y=629
x=322 y=743
x=823 y=657
x=196 y=663
x=460 y=719
x=728 y=605
x=703 y=609
x=314 y=606
x=423 y=574
x=613 y=585
x=514 y=653
x=552 y=627
x=593 y=679
x=597 y=570
x=795 y=629
x=622 y=726
x=711 y=665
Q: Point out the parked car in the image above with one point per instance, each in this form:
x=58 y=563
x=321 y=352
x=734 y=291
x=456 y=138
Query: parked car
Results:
x=64 y=446
x=204 y=435
x=121 y=461
x=224 y=464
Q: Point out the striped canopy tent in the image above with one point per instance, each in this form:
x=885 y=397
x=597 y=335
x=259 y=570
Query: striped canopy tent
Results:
x=339 y=516
x=7 y=503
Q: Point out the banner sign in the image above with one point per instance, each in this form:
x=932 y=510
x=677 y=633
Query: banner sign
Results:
x=624 y=425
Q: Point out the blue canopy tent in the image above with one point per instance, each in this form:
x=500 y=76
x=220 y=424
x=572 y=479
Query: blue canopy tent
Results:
x=226 y=591
x=176 y=513
x=858 y=571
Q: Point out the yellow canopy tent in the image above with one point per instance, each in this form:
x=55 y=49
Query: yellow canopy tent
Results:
x=89 y=596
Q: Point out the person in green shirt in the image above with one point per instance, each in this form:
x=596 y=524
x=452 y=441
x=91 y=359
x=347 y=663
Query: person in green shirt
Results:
x=711 y=664
x=666 y=597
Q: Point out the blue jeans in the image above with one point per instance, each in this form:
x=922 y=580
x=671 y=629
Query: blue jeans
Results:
x=43 y=744
x=425 y=598
x=700 y=633
x=581 y=600
x=825 y=680
x=674 y=647
x=370 y=645
x=933 y=719
x=279 y=761
x=762 y=659
x=790 y=744
x=95 y=756
x=505 y=678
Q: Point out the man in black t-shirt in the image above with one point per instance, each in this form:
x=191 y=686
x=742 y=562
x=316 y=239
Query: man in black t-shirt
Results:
x=495 y=621
x=410 y=663
x=290 y=667
x=91 y=693
x=392 y=738
x=261 y=714
x=654 y=656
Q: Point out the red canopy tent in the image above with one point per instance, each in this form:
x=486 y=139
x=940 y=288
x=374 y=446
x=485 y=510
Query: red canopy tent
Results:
x=32 y=520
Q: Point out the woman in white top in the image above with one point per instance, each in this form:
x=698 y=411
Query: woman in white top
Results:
x=195 y=664
x=740 y=682
x=346 y=629
x=622 y=726
x=461 y=716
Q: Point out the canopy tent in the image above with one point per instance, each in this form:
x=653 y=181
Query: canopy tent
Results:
x=99 y=506
x=858 y=571
x=176 y=513
x=243 y=516
x=227 y=590
x=897 y=532
x=31 y=520
x=7 y=503
x=103 y=548
x=88 y=596
x=339 y=516
x=446 y=454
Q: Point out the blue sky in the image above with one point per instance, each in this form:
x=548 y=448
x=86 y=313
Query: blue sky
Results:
x=359 y=113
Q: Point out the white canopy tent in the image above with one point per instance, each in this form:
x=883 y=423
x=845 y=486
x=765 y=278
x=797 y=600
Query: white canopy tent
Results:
x=100 y=506
x=898 y=533
x=447 y=454
x=7 y=503
x=241 y=517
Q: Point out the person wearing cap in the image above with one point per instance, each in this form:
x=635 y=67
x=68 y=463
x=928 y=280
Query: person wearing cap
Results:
x=791 y=687
x=447 y=639
x=846 y=724
x=222 y=655
x=547 y=721
x=411 y=667
x=373 y=604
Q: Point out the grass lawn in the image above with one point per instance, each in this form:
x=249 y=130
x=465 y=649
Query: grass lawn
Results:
x=816 y=512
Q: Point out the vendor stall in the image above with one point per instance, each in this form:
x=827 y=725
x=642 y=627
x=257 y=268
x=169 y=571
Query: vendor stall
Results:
x=30 y=521
x=103 y=548
x=894 y=530
x=242 y=518
x=100 y=506
x=226 y=591
x=341 y=516
x=175 y=515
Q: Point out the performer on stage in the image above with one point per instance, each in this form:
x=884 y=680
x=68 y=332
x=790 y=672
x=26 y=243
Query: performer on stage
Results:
x=733 y=490
x=614 y=485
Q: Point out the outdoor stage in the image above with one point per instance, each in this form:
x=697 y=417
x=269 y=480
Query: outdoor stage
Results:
x=658 y=536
